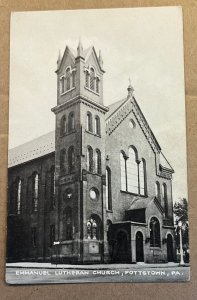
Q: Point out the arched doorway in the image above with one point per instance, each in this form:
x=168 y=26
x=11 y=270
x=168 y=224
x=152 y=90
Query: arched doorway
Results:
x=122 y=248
x=139 y=247
x=170 y=256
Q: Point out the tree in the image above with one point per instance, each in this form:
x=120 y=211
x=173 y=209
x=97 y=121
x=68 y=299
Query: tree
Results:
x=181 y=214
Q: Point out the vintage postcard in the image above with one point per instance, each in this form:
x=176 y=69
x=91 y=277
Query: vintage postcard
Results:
x=97 y=177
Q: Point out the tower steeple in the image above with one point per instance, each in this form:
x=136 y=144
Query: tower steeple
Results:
x=80 y=49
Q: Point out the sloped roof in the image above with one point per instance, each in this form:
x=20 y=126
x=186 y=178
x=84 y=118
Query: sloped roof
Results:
x=139 y=203
x=164 y=162
x=113 y=107
x=38 y=147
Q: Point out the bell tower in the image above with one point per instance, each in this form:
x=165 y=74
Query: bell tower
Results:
x=80 y=156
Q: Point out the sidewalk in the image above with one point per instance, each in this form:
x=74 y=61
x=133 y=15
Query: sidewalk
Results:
x=91 y=267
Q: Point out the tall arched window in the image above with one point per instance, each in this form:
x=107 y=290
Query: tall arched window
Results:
x=63 y=160
x=18 y=197
x=157 y=191
x=94 y=228
x=142 y=177
x=132 y=172
x=155 y=237
x=98 y=161
x=35 y=191
x=165 y=198
x=108 y=189
x=68 y=81
x=73 y=78
x=123 y=172
x=97 y=125
x=71 y=159
x=89 y=121
x=87 y=79
x=52 y=186
x=89 y=159
x=71 y=122
x=63 y=125
x=68 y=223
x=97 y=84
x=92 y=79
x=62 y=84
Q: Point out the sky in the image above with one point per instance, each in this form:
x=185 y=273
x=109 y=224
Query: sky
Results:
x=144 y=44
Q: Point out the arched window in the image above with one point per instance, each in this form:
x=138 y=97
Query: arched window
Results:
x=87 y=79
x=52 y=186
x=155 y=240
x=132 y=172
x=63 y=160
x=97 y=84
x=89 y=121
x=157 y=191
x=108 y=189
x=94 y=228
x=71 y=122
x=98 y=161
x=18 y=197
x=165 y=198
x=35 y=191
x=97 y=125
x=63 y=125
x=62 y=84
x=142 y=177
x=71 y=159
x=73 y=78
x=68 y=79
x=123 y=172
x=68 y=223
x=92 y=79
x=89 y=159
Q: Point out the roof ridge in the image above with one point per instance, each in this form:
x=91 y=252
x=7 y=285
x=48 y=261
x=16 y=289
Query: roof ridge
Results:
x=30 y=141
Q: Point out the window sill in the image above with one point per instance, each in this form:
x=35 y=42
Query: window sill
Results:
x=134 y=194
x=95 y=134
x=155 y=248
x=64 y=93
x=94 y=92
x=109 y=211
x=67 y=133
x=94 y=173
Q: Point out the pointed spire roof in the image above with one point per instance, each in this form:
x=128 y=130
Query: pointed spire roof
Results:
x=80 y=49
x=100 y=59
x=59 y=59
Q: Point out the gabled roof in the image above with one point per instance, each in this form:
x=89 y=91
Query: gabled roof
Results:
x=114 y=107
x=36 y=148
x=73 y=54
x=143 y=203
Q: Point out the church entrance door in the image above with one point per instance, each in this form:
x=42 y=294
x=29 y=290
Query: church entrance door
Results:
x=139 y=247
x=170 y=256
x=122 y=248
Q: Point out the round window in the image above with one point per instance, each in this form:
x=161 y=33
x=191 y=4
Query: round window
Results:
x=94 y=193
x=131 y=123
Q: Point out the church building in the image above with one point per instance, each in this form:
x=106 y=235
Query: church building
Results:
x=97 y=189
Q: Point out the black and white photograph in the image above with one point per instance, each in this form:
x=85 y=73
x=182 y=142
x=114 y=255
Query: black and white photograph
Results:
x=97 y=166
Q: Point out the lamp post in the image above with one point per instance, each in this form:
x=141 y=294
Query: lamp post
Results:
x=181 y=242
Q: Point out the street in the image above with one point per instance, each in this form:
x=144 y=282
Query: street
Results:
x=16 y=275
